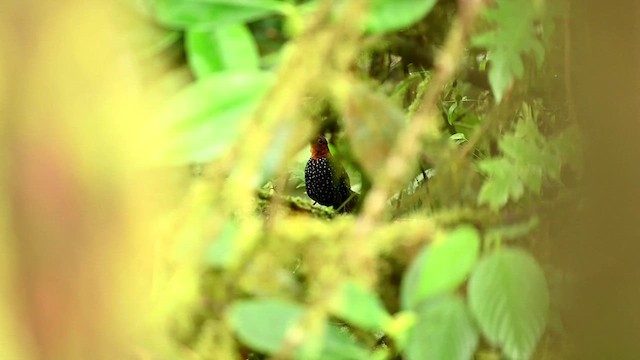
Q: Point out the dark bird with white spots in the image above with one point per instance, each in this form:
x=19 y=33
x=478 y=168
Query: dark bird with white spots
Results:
x=327 y=181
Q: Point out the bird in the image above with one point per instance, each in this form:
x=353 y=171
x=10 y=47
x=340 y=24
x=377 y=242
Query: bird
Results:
x=326 y=180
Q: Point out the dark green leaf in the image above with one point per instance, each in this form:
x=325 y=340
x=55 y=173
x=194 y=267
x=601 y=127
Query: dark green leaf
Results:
x=444 y=330
x=509 y=297
x=223 y=48
x=441 y=266
x=391 y=15
x=204 y=119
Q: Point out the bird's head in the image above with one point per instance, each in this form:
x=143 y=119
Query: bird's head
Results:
x=320 y=148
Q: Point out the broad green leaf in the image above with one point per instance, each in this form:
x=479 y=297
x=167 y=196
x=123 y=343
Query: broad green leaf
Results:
x=371 y=139
x=212 y=13
x=338 y=345
x=441 y=266
x=391 y=15
x=513 y=35
x=229 y=47
x=263 y=324
x=444 y=330
x=360 y=307
x=204 y=119
x=509 y=298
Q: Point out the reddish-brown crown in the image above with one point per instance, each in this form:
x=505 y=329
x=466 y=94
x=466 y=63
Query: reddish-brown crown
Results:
x=319 y=148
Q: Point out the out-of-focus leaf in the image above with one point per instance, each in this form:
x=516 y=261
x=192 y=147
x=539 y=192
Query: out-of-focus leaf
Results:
x=510 y=231
x=503 y=182
x=360 y=307
x=399 y=328
x=212 y=13
x=229 y=47
x=528 y=159
x=444 y=330
x=205 y=118
x=263 y=324
x=391 y=15
x=220 y=253
x=513 y=35
x=339 y=345
x=508 y=296
x=458 y=138
x=441 y=266
x=372 y=122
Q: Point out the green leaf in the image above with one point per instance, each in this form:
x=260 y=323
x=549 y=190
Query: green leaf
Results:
x=229 y=47
x=204 y=119
x=360 y=307
x=223 y=250
x=520 y=149
x=503 y=182
x=513 y=231
x=211 y=13
x=339 y=345
x=508 y=296
x=391 y=15
x=371 y=139
x=528 y=159
x=458 y=138
x=441 y=266
x=263 y=324
x=513 y=35
x=444 y=330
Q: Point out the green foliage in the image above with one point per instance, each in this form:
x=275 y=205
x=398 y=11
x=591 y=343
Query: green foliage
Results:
x=391 y=15
x=372 y=140
x=203 y=120
x=222 y=252
x=222 y=48
x=444 y=330
x=441 y=266
x=213 y=13
x=360 y=307
x=528 y=160
x=394 y=119
x=264 y=325
x=512 y=36
x=509 y=297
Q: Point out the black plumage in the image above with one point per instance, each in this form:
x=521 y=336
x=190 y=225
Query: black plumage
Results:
x=327 y=181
